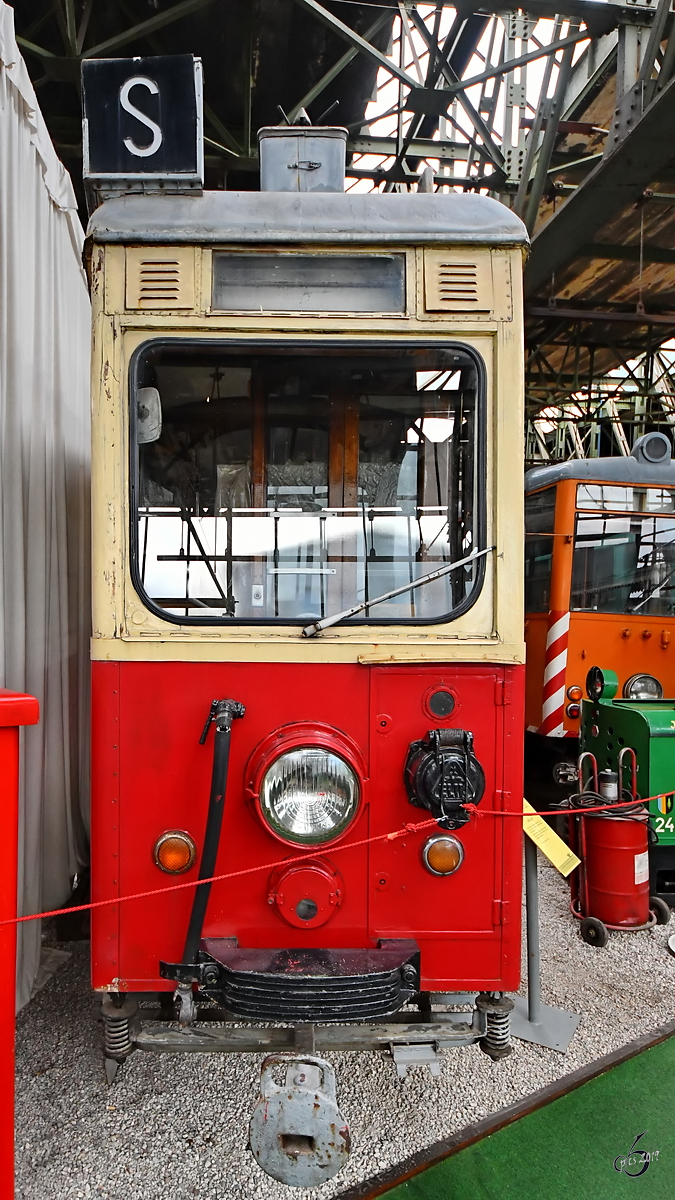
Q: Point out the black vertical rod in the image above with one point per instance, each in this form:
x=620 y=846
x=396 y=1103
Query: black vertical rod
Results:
x=532 y=918
x=223 y=712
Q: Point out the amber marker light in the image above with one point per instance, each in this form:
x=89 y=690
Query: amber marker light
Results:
x=174 y=852
x=574 y=693
x=442 y=854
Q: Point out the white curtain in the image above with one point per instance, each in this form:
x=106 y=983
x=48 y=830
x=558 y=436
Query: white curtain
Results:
x=44 y=493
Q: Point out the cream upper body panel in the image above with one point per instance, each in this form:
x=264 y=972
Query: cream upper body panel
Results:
x=467 y=291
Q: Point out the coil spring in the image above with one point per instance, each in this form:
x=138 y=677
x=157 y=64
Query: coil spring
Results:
x=117 y=1039
x=498 y=1034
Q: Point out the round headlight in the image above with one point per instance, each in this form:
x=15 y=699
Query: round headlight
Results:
x=309 y=795
x=642 y=687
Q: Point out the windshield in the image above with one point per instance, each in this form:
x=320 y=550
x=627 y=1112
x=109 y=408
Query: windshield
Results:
x=287 y=486
x=624 y=564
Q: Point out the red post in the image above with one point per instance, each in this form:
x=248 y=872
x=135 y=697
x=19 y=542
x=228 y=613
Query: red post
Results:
x=15 y=710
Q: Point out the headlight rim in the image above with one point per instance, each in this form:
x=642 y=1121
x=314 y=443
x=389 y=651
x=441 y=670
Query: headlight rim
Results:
x=302 y=735
x=632 y=680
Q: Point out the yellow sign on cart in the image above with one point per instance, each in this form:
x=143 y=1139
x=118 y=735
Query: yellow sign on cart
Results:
x=563 y=859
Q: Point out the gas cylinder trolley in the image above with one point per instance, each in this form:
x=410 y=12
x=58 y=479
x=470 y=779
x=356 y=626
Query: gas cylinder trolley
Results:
x=308 y=628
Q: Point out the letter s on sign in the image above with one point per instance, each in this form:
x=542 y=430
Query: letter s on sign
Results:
x=141 y=81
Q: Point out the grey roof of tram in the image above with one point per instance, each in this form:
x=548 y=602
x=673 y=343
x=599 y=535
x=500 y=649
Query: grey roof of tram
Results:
x=307 y=217
x=623 y=470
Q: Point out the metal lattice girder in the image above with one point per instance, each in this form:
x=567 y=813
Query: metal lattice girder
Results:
x=431 y=95
x=604 y=414
x=617 y=181
x=141 y=29
x=355 y=40
x=257 y=54
x=600 y=260
x=319 y=87
x=599 y=18
x=579 y=145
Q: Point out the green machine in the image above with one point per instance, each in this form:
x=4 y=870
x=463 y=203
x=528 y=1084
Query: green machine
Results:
x=610 y=728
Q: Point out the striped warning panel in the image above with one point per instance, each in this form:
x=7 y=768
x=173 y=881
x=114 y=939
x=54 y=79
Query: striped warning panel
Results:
x=553 y=707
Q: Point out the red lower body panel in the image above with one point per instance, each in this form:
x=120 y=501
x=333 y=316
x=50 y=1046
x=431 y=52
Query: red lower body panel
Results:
x=151 y=775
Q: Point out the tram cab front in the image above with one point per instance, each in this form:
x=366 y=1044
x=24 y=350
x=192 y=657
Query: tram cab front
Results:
x=304 y=405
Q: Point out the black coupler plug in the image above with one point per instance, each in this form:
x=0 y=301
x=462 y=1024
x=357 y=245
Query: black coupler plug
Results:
x=442 y=774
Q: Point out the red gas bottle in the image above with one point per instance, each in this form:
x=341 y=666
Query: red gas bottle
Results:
x=612 y=891
x=616 y=868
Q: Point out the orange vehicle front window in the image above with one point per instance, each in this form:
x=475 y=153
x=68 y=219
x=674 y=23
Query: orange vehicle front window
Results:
x=624 y=563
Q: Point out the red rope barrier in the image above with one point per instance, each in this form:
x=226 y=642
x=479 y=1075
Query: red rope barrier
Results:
x=472 y=809
x=176 y=887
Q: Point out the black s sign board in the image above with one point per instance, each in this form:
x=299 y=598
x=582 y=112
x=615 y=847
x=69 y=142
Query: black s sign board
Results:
x=143 y=119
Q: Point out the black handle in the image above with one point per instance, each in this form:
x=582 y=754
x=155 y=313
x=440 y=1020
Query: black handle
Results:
x=211 y=717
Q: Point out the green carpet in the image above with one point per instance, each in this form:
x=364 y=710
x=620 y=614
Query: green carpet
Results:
x=566 y=1150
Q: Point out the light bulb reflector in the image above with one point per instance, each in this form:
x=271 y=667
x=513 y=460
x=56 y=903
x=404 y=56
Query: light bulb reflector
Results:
x=309 y=795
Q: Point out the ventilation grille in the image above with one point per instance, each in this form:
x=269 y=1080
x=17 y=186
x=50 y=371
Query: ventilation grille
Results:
x=458 y=282
x=159 y=282
x=159 y=279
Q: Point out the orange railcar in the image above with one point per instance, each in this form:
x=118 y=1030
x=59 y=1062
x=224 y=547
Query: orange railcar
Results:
x=600 y=588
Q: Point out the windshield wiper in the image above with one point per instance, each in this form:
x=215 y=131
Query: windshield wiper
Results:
x=317 y=626
x=655 y=588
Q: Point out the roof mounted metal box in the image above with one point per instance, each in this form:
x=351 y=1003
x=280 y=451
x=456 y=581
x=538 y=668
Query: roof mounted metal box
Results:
x=302 y=158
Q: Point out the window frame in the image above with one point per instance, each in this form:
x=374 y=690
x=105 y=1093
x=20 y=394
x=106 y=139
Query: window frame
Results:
x=249 y=345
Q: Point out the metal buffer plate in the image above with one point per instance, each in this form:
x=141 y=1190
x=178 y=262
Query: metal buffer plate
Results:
x=314 y=984
x=426 y=1054
x=298 y=1134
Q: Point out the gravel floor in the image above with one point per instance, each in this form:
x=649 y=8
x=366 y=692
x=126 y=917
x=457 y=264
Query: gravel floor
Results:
x=180 y=1123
